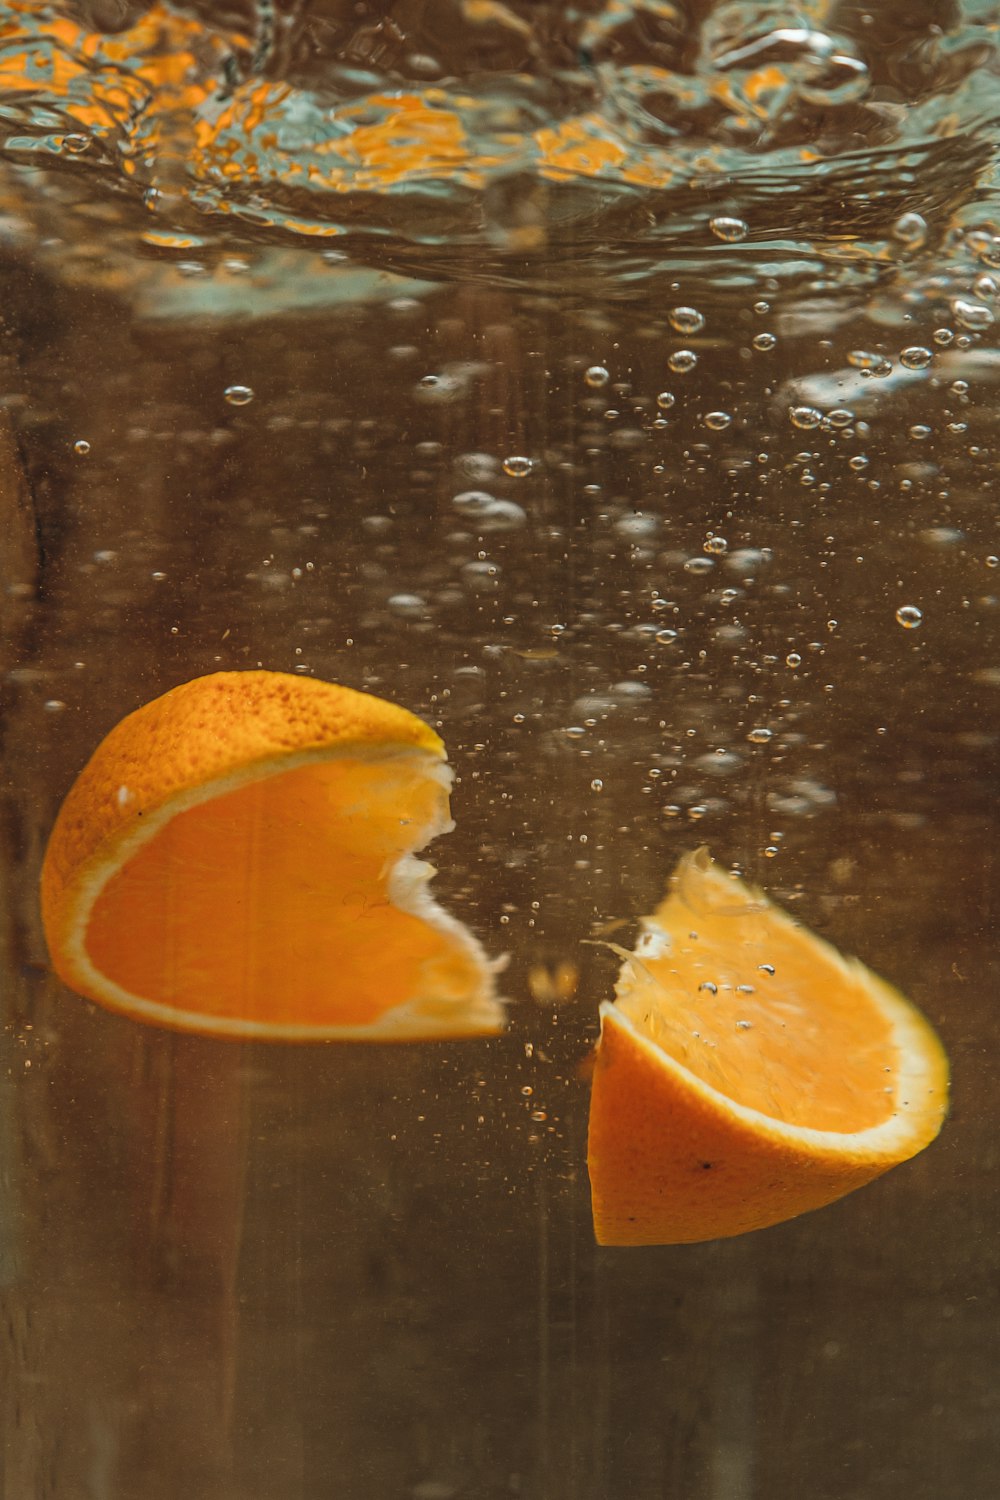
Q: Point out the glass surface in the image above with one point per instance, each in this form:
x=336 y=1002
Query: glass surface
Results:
x=614 y=386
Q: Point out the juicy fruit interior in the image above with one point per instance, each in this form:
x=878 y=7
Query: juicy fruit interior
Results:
x=272 y=901
x=804 y=1044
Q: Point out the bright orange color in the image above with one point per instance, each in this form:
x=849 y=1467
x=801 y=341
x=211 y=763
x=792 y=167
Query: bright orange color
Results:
x=237 y=858
x=748 y=1072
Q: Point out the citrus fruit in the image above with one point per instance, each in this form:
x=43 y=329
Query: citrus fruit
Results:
x=747 y=1072
x=237 y=858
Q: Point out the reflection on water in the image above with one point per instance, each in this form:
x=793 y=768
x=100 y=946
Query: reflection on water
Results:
x=637 y=512
x=827 y=140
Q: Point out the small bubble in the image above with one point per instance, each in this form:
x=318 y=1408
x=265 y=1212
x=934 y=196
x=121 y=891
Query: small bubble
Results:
x=75 y=144
x=765 y=968
x=686 y=319
x=596 y=376
x=517 y=466
x=919 y=431
x=238 y=395
x=993 y=562
x=82 y=447
x=682 y=361
x=793 y=659
x=709 y=987
x=718 y=421
x=916 y=357
x=716 y=545
x=770 y=852
x=760 y=736
x=665 y=637
x=805 y=417
x=597 y=785
x=744 y=1025
x=665 y=400
x=764 y=342
x=857 y=463
x=910 y=229
x=410 y=605
x=876 y=365
x=698 y=565
x=53 y=705
x=840 y=417
x=909 y=616
x=728 y=229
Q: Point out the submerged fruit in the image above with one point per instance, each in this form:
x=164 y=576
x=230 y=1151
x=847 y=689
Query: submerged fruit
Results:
x=237 y=859
x=748 y=1072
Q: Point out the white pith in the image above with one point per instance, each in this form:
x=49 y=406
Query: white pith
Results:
x=920 y=1093
x=424 y=1016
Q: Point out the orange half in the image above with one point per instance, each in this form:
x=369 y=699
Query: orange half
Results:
x=747 y=1072
x=238 y=858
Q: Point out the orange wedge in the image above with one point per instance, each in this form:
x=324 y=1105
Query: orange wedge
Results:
x=748 y=1072
x=237 y=858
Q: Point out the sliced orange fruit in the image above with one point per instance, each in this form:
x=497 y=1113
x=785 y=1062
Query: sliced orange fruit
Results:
x=237 y=858
x=747 y=1072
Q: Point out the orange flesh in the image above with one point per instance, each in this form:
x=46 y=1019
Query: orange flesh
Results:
x=817 y=1051
x=271 y=903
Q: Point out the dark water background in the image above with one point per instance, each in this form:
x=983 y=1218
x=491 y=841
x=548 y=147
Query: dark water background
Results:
x=610 y=385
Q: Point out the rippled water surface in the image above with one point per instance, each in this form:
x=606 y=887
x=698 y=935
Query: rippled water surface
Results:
x=615 y=386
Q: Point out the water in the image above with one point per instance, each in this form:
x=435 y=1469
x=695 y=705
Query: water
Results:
x=635 y=423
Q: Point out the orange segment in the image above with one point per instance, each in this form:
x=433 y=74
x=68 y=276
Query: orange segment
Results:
x=237 y=859
x=748 y=1072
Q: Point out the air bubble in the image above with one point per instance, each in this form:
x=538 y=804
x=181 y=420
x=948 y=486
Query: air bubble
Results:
x=686 y=319
x=82 y=447
x=760 y=736
x=409 y=605
x=682 y=361
x=916 y=357
x=876 y=365
x=597 y=785
x=238 y=395
x=489 y=513
x=665 y=637
x=698 y=565
x=517 y=466
x=728 y=229
x=718 y=421
x=793 y=659
x=909 y=616
x=596 y=376
x=764 y=342
x=910 y=230
x=805 y=417
x=665 y=400
x=975 y=316
x=716 y=545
